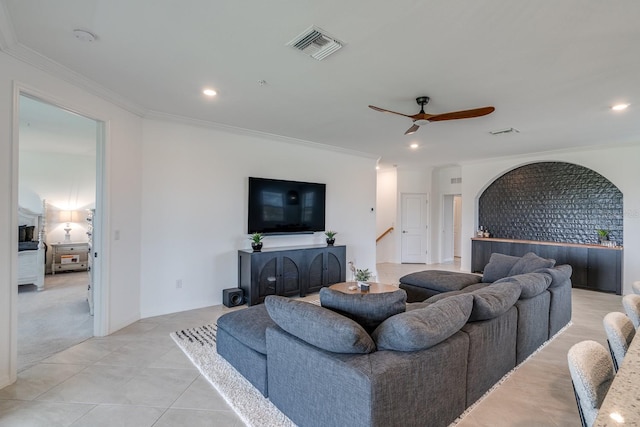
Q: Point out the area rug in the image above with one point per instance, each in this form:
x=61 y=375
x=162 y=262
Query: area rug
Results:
x=199 y=344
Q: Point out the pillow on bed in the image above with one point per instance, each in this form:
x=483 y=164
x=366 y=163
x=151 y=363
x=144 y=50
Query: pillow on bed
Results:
x=28 y=233
x=22 y=233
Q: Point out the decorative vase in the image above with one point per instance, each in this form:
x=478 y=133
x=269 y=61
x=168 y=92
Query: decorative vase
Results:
x=257 y=247
x=330 y=242
x=363 y=286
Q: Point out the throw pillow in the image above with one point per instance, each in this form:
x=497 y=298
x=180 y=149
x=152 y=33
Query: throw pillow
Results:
x=22 y=233
x=493 y=300
x=529 y=263
x=369 y=310
x=531 y=284
x=425 y=327
x=498 y=267
x=318 y=326
x=560 y=275
x=28 y=233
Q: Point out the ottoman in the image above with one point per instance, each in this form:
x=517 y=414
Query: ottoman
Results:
x=424 y=284
x=241 y=340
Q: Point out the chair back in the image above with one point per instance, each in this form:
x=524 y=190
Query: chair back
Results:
x=635 y=286
x=620 y=332
x=591 y=374
x=631 y=305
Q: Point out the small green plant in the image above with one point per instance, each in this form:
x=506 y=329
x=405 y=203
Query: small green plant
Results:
x=362 y=275
x=603 y=234
x=330 y=234
x=256 y=237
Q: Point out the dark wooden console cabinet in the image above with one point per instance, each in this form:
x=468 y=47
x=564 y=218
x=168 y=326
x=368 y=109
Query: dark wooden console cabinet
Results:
x=594 y=267
x=289 y=271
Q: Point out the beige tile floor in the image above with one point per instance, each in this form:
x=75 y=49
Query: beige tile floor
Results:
x=138 y=377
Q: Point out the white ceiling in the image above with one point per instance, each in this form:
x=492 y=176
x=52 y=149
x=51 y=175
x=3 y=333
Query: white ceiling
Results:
x=552 y=69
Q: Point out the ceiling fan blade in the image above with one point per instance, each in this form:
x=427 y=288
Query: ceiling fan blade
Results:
x=465 y=114
x=412 y=129
x=388 y=111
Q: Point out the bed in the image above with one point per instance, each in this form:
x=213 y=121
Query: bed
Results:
x=31 y=248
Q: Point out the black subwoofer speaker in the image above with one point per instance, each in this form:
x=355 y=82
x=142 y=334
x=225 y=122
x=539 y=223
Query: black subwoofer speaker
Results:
x=232 y=297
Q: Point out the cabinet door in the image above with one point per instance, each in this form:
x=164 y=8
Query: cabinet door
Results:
x=577 y=258
x=336 y=265
x=266 y=276
x=480 y=254
x=290 y=274
x=316 y=277
x=604 y=270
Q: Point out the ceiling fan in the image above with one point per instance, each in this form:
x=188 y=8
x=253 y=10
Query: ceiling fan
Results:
x=423 y=118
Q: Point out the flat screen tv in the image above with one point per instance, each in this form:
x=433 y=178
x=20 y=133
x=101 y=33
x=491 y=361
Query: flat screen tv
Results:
x=285 y=207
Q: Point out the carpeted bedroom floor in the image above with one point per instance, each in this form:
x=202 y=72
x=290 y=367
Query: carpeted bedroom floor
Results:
x=53 y=319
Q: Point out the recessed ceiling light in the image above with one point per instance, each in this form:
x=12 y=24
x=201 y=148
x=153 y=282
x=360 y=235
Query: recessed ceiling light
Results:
x=414 y=145
x=209 y=92
x=619 y=107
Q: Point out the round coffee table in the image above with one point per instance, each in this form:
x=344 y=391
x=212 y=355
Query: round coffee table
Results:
x=374 y=288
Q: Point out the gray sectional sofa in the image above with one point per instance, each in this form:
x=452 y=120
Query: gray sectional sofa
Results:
x=372 y=360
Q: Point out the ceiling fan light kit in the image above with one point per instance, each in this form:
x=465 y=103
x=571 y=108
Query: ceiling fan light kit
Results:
x=423 y=118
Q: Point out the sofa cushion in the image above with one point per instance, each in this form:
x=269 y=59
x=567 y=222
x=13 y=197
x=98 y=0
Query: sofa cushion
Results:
x=318 y=326
x=369 y=310
x=440 y=280
x=466 y=290
x=248 y=326
x=498 y=267
x=424 y=327
x=531 y=284
x=494 y=300
x=529 y=263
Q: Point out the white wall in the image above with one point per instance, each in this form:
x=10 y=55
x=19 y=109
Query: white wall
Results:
x=121 y=260
x=617 y=164
x=194 y=207
x=386 y=206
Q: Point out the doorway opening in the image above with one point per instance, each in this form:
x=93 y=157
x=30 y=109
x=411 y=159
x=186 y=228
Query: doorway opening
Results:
x=59 y=158
x=451 y=228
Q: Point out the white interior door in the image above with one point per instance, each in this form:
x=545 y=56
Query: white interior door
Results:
x=414 y=228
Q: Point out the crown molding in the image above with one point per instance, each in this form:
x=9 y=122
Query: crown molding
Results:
x=157 y=115
x=7 y=33
x=55 y=69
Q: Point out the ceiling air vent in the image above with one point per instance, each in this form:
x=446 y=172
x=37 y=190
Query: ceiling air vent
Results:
x=316 y=43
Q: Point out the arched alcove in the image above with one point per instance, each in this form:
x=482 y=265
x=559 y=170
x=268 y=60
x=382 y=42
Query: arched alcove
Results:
x=553 y=202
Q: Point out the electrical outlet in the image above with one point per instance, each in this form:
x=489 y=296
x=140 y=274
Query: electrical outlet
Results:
x=179 y=284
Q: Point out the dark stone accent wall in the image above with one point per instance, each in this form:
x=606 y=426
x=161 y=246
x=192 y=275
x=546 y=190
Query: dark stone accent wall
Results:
x=553 y=202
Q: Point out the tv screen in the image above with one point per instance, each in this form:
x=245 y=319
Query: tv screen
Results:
x=283 y=207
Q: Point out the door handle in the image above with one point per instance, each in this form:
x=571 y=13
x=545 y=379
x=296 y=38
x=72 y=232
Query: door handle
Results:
x=403 y=231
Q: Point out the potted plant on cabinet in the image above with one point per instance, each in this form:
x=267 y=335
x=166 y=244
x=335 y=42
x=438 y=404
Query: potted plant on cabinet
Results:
x=256 y=241
x=603 y=236
x=331 y=237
